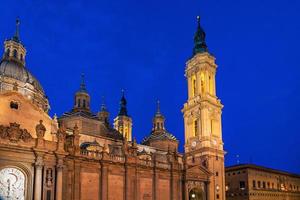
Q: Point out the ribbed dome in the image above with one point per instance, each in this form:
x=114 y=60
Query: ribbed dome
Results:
x=15 y=70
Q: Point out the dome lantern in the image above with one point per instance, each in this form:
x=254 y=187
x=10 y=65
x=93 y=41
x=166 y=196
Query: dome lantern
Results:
x=14 y=50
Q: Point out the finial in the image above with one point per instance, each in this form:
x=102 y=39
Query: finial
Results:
x=199 y=39
x=17 y=33
x=157 y=107
x=82 y=84
x=123 y=103
x=103 y=106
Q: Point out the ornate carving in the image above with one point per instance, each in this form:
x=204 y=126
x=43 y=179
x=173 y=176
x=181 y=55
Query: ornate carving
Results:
x=195 y=184
x=49 y=177
x=39 y=161
x=14 y=133
x=40 y=130
x=61 y=133
x=204 y=162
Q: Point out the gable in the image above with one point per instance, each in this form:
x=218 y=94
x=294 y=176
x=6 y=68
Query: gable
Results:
x=14 y=107
x=198 y=173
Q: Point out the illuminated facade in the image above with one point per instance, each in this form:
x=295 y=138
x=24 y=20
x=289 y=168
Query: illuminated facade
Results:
x=252 y=182
x=80 y=155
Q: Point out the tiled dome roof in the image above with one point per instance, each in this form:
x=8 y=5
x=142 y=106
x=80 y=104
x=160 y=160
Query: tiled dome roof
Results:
x=15 y=70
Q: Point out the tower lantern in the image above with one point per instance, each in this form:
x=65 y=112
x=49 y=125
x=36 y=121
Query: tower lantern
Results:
x=14 y=50
x=82 y=98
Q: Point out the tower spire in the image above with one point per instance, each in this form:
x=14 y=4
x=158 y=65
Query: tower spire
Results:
x=199 y=39
x=16 y=37
x=157 y=107
x=82 y=84
x=123 y=105
x=103 y=106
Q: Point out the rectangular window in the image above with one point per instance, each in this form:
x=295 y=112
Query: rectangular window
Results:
x=254 y=184
x=264 y=184
x=258 y=184
x=242 y=185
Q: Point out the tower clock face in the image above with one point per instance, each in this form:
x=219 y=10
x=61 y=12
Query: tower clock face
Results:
x=12 y=184
x=194 y=144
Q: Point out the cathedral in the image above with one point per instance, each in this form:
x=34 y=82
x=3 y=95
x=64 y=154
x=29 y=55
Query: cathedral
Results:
x=82 y=156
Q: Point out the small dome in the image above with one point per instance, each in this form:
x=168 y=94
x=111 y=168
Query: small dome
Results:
x=12 y=69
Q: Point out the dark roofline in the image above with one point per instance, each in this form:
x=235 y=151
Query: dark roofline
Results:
x=262 y=168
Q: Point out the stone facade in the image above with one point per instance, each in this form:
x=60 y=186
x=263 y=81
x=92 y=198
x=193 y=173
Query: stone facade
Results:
x=82 y=156
x=252 y=182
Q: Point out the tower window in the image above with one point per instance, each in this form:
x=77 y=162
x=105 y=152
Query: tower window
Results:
x=15 y=54
x=84 y=103
x=196 y=127
x=14 y=105
x=209 y=84
x=21 y=57
x=202 y=83
x=194 y=87
x=242 y=185
x=7 y=52
x=78 y=103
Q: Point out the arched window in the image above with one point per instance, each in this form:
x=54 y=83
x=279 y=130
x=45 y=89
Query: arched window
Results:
x=12 y=183
x=21 y=57
x=84 y=103
x=202 y=83
x=194 y=86
x=7 y=52
x=196 y=128
x=15 y=54
x=209 y=85
x=78 y=103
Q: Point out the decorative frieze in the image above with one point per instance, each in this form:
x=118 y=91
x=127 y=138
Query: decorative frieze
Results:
x=14 y=133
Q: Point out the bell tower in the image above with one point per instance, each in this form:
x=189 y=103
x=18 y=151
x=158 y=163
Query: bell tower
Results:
x=202 y=116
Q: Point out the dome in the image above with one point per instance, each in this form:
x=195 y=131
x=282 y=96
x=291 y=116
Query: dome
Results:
x=12 y=69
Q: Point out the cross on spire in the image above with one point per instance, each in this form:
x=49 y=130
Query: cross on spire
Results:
x=16 y=37
x=82 y=84
x=157 y=107
x=199 y=39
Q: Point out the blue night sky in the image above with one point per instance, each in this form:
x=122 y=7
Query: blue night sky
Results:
x=142 y=46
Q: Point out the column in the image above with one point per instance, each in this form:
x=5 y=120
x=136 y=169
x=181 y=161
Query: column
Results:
x=104 y=183
x=59 y=177
x=156 y=186
x=76 y=182
x=38 y=182
x=189 y=87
